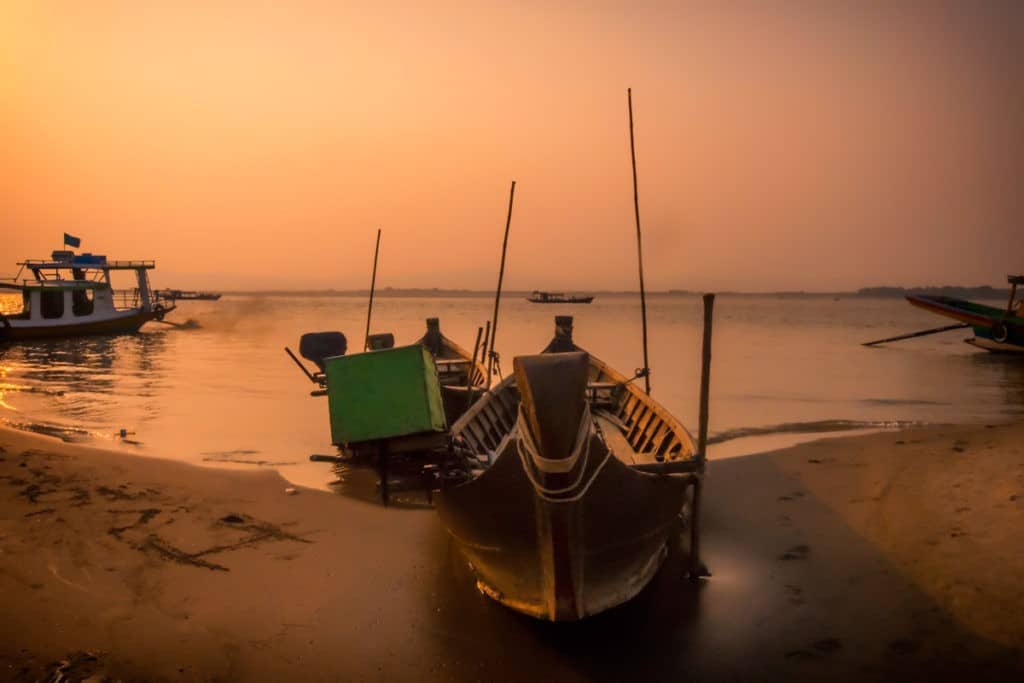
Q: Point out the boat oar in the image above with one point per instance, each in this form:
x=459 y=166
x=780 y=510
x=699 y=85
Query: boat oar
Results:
x=922 y=333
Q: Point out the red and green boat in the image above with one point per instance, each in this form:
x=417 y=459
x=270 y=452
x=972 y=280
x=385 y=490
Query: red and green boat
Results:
x=1000 y=330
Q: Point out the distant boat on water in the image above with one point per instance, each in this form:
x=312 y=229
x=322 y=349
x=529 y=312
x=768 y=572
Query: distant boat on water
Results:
x=538 y=297
x=185 y=295
x=71 y=295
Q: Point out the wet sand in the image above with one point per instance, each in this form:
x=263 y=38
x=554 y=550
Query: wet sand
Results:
x=863 y=558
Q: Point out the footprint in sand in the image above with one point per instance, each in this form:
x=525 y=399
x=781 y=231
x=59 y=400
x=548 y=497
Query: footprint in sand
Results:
x=904 y=646
x=827 y=645
x=797 y=552
x=801 y=655
x=794 y=594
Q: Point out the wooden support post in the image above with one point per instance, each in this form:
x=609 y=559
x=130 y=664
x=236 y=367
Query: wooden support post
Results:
x=382 y=470
x=705 y=377
x=697 y=568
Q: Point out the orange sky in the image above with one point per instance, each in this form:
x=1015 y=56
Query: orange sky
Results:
x=249 y=146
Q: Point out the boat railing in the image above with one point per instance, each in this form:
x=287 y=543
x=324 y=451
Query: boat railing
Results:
x=130 y=264
x=126 y=298
x=62 y=284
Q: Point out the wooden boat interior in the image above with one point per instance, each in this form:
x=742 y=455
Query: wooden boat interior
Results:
x=453 y=361
x=635 y=428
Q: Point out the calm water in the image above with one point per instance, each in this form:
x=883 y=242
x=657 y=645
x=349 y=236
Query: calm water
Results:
x=221 y=391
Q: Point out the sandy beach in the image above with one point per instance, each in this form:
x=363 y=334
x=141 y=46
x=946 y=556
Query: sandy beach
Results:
x=863 y=558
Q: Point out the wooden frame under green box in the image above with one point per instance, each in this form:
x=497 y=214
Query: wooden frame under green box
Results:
x=383 y=394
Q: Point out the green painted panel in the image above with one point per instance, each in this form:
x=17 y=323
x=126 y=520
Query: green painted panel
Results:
x=383 y=394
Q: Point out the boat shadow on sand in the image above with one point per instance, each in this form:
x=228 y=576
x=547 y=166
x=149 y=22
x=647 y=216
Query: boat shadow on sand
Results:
x=795 y=594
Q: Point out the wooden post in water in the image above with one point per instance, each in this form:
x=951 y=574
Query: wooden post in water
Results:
x=373 y=285
x=639 y=244
x=705 y=377
x=497 y=294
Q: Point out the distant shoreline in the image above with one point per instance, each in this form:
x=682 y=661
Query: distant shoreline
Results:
x=983 y=292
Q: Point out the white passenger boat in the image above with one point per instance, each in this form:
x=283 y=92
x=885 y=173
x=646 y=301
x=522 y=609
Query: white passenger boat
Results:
x=71 y=295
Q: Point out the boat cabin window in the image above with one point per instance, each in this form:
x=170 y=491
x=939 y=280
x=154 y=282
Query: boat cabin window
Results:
x=26 y=308
x=52 y=303
x=82 y=301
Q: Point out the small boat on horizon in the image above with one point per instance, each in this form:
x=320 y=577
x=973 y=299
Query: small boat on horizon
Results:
x=995 y=329
x=186 y=295
x=71 y=295
x=539 y=297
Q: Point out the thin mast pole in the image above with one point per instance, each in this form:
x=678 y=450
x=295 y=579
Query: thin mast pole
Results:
x=373 y=285
x=639 y=244
x=497 y=294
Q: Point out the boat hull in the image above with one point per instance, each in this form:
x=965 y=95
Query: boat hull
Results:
x=989 y=344
x=994 y=329
x=122 y=324
x=564 y=559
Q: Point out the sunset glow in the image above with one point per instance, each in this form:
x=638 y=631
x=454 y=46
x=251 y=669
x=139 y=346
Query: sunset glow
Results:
x=245 y=145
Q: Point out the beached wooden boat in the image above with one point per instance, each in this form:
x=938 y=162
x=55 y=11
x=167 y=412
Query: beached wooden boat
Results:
x=392 y=402
x=455 y=369
x=576 y=485
x=1000 y=330
x=538 y=297
x=71 y=295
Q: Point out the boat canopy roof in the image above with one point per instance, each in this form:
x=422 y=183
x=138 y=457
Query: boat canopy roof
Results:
x=1015 y=279
x=67 y=259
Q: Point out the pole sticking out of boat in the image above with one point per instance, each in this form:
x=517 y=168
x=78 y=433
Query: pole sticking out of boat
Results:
x=639 y=244
x=705 y=377
x=483 y=352
x=497 y=294
x=373 y=285
x=472 y=368
x=922 y=333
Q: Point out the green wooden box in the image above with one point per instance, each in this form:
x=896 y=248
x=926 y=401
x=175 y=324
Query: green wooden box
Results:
x=383 y=394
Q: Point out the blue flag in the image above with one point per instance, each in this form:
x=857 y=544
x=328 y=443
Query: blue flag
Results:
x=72 y=241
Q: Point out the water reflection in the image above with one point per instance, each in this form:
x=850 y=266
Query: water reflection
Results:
x=225 y=384
x=407 y=485
x=73 y=388
x=1004 y=372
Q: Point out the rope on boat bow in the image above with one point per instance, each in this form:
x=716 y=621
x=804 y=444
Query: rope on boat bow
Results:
x=535 y=464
